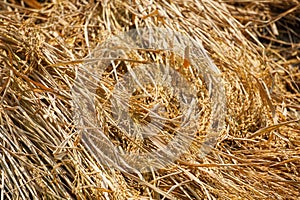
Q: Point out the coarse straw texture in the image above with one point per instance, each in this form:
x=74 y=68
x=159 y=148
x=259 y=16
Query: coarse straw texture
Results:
x=255 y=44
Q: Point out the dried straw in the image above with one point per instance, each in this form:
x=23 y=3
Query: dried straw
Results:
x=254 y=44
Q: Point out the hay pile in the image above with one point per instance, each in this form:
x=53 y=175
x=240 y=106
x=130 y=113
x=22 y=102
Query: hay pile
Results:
x=254 y=44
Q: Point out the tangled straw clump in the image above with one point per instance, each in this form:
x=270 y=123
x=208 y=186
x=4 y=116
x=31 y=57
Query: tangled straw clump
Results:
x=255 y=46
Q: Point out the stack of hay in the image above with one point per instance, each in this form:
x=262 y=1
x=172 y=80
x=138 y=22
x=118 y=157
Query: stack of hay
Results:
x=254 y=44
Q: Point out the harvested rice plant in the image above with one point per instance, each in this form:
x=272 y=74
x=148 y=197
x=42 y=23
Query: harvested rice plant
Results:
x=192 y=99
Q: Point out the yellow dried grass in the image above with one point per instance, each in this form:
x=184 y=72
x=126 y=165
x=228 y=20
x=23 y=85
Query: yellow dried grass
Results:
x=254 y=44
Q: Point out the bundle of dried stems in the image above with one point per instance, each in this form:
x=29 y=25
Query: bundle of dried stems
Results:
x=255 y=44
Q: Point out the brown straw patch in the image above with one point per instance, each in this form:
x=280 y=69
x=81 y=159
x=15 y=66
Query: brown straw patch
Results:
x=255 y=44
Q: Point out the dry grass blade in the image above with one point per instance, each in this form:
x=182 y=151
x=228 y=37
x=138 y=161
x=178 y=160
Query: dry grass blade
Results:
x=271 y=128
